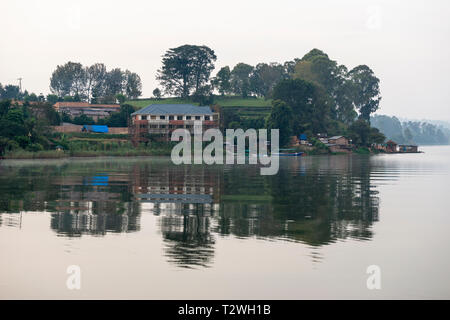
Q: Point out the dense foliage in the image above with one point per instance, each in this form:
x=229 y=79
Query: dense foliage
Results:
x=94 y=83
x=26 y=127
x=185 y=69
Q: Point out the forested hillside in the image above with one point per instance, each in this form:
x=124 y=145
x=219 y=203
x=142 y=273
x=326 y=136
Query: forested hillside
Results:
x=411 y=132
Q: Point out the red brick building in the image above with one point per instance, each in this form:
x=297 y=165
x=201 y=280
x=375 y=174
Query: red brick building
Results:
x=160 y=120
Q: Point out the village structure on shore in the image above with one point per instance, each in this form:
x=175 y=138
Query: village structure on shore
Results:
x=160 y=120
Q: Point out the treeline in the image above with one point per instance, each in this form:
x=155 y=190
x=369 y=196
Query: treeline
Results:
x=186 y=71
x=13 y=92
x=26 y=127
x=311 y=95
x=411 y=132
x=95 y=84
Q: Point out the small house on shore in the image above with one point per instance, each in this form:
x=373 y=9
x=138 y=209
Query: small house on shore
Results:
x=391 y=146
x=408 y=148
x=338 y=140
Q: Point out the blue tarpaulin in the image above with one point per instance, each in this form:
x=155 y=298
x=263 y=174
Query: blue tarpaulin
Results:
x=95 y=128
x=303 y=137
x=96 y=181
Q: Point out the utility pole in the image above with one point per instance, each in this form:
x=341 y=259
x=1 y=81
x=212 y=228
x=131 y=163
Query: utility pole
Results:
x=20 y=84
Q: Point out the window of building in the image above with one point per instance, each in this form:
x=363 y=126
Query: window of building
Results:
x=188 y=117
x=143 y=117
x=163 y=126
x=197 y=117
x=162 y=117
x=153 y=117
x=179 y=117
x=207 y=118
x=170 y=117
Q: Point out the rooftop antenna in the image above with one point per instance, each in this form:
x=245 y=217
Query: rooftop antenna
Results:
x=20 y=84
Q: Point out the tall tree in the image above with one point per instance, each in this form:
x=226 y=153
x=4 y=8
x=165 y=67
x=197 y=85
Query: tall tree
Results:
x=96 y=76
x=222 y=80
x=281 y=118
x=133 y=85
x=366 y=91
x=299 y=95
x=240 y=79
x=69 y=80
x=11 y=92
x=265 y=77
x=115 y=81
x=332 y=78
x=186 y=68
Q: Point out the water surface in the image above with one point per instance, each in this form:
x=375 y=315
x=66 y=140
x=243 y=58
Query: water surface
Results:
x=144 y=228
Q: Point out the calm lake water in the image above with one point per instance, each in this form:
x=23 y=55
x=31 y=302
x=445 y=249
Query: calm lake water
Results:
x=145 y=228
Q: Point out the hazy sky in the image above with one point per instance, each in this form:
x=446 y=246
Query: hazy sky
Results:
x=406 y=43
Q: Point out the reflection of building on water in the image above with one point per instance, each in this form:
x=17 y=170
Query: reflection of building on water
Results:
x=186 y=199
x=188 y=239
x=11 y=219
x=85 y=217
x=94 y=205
x=312 y=200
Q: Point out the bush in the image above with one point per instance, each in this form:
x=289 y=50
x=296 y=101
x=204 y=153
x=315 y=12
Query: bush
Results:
x=35 y=147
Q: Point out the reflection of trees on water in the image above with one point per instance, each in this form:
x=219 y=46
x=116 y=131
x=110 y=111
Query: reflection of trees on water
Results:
x=313 y=200
x=316 y=201
x=80 y=196
x=188 y=240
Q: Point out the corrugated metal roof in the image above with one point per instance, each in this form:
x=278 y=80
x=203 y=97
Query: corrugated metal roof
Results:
x=335 y=137
x=173 y=109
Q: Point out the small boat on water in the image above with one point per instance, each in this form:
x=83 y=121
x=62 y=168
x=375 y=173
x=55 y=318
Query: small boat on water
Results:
x=288 y=153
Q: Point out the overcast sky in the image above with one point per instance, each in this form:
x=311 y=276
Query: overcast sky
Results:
x=406 y=43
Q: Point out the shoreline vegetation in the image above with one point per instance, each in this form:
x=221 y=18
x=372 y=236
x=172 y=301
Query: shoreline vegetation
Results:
x=158 y=150
x=313 y=97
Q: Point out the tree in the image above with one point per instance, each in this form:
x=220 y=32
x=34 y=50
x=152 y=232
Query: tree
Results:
x=240 y=79
x=222 y=80
x=114 y=84
x=289 y=67
x=366 y=91
x=11 y=92
x=133 y=85
x=96 y=80
x=32 y=97
x=186 y=68
x=83 y=120
x=52 y=98
x=5 y=105
x=265 y=77
x=363 y=135
x=281 y=118
x=94 y=83
x=316 y=67
x=121 y=98
x=157 y=93
x=299 y=95
x=121 y=118
x=69 y=80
